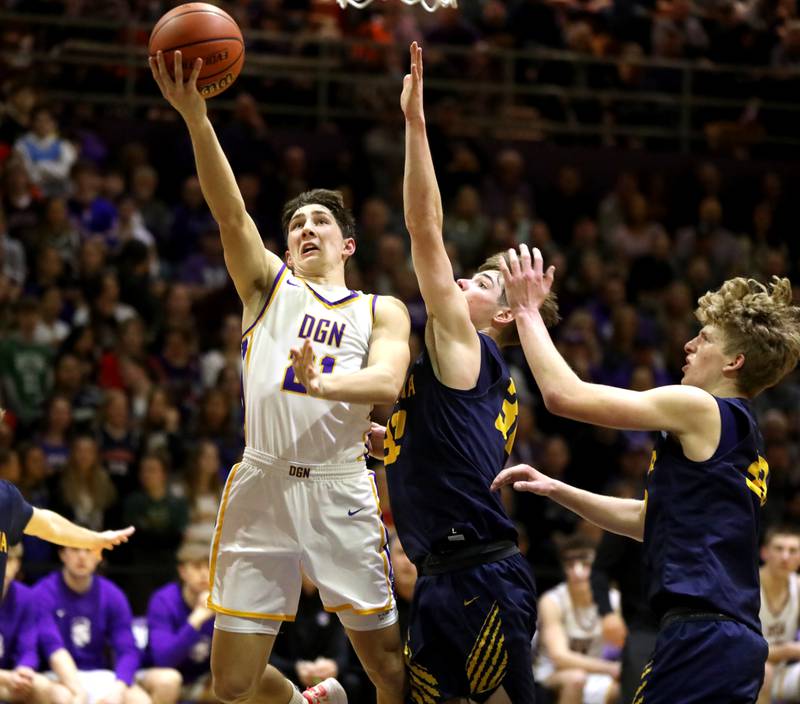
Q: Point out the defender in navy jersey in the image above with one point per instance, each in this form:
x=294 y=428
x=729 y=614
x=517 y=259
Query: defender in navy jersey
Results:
x=707 y=481
x=473 y=613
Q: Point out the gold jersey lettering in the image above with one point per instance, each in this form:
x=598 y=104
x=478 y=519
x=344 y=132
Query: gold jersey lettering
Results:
x=395 y=429
x=506 y=421
x=756 y=478
x=408 y=388
x=3 y=542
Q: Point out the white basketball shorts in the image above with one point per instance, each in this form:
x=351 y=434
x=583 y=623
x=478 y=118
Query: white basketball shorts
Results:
x=278 y=518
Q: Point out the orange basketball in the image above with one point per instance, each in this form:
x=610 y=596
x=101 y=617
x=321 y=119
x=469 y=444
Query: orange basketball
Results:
x=202 y=30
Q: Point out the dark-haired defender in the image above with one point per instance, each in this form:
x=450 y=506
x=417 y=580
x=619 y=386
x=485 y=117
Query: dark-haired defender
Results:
x=707 y=481
x=473 y=613
x=302 y=497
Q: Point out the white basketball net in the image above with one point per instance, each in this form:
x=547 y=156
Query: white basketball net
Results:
x=429 y=5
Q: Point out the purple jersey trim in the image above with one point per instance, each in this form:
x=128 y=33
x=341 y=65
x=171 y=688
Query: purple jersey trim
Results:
x=272 y=290
x=349 y=297
x=374 y=302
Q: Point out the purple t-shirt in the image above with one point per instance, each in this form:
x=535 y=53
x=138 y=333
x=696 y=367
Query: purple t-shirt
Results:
x=88 y=624
x=15 y=513
x=173 y=642
x=18 y=629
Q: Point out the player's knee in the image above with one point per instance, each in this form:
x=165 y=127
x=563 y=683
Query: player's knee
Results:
x=387 y=670
x=231 y=687
x=573 y=680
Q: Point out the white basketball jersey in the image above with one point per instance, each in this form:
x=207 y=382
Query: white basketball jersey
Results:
x=281 y=419
x=781 y=627
x=581 y=625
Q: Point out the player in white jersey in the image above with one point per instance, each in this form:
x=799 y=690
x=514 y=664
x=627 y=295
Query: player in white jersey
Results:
x=780 y=614
x=569 y=659
x=302 y=497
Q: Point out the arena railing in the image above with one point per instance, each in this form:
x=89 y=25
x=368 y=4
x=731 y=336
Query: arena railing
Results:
x=531 y=94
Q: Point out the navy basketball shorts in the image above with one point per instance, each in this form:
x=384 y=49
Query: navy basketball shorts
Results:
x=708 y=662
x=470 y=633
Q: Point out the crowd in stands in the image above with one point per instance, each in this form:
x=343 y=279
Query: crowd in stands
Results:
x=120 y=331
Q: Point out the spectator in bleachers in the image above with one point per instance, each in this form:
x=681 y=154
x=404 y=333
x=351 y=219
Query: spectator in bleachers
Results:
x=180 y=624
x=190 y=218
x=118 y=441
x=203 y=491
x=17 y=107
x=47 y=156
x=780 y=614
x=570 y=659
x=72 y=379
x=25 y=366
x=155 y=213
x=19 y=681
x=55 y=433
x=13 y=263
x=93 y=214
x=21 y=201
x=227 y=351
x=86 y=620
x=51 y=329
x=55 y=229
x=86 y=490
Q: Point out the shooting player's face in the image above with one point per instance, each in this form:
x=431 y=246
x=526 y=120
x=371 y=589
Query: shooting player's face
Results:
x=483 y=293
x=315 y=241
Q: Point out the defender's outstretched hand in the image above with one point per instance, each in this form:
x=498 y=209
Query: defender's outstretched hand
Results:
x=305 y=370
x=108 y=539
x=525 y=478
x=526 y=286
x=183 y=96
x=411 y=97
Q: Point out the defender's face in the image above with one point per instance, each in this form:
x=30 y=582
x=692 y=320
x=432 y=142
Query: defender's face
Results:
x=80 y=562
x=782 y=554
x=482 y=292
x=705 y=358
x=315 y=241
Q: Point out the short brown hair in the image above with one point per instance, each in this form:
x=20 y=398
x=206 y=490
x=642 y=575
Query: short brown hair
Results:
x=549 y=309
x=332 y=200
x=575 y=543
x=759 y=322
x=780 y=529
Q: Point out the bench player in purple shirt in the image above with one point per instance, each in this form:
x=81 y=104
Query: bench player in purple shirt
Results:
x=180 y=625
x=19 y=682
x=84 y=617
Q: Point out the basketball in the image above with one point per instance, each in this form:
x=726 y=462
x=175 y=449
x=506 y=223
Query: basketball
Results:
x=201 y=30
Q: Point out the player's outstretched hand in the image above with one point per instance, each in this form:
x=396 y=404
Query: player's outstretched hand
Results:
x=523 y=477
x=526 y=284
x=375 y=438
x=108 y=539
x=411 y=97
x=305 y=371
x=183 y=96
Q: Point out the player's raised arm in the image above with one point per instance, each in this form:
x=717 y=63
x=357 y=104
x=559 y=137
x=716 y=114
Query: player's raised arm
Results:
x=422 y=204
x=682 y=410
x=381 y=380
x=251 y=265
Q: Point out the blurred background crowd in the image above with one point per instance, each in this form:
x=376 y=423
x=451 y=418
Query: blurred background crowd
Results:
x=120 y=329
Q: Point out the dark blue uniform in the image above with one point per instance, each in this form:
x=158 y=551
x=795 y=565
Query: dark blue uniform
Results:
x=15 y=513
x=474 y=610
x=701 y=560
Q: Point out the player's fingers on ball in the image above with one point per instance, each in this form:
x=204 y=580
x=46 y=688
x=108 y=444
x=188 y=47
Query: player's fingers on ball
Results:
x=537 y=260
x=198 y=65
x=178 y=67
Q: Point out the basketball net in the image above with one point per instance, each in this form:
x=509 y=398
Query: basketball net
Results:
x=429 y=5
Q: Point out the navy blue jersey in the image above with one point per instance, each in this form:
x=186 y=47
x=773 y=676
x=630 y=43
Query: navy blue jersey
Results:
x=443 y=449
x=702 y=521
x=15 y=513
